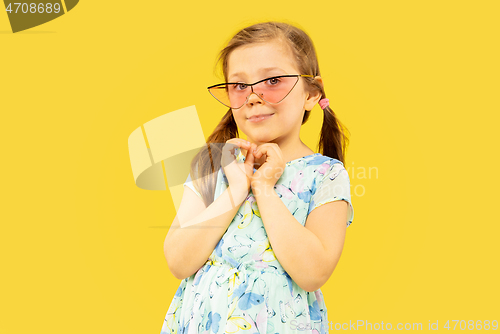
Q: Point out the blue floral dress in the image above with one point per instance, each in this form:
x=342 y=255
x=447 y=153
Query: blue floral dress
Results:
x=242 y=288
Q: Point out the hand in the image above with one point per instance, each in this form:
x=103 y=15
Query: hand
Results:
x=272 y=169
x=238 y=174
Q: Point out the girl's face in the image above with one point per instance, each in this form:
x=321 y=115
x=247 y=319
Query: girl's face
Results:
x=254 y=62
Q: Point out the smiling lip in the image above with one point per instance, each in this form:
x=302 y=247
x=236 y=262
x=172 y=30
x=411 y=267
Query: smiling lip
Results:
x=256 y=119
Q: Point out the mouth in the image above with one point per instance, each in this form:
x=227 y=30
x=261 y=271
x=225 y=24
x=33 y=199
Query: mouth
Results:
x=256 y=119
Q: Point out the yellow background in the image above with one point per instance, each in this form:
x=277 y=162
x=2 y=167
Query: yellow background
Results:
x=416 y=84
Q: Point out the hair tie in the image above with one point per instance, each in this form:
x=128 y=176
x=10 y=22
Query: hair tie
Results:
x=324 y=103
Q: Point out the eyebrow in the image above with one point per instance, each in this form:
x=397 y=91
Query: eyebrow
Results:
x=263 y=70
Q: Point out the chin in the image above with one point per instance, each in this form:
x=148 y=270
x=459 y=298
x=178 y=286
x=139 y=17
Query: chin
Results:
x=262 y=138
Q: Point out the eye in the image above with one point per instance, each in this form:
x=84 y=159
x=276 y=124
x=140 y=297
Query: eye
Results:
x=239 y=86
x=274 y=81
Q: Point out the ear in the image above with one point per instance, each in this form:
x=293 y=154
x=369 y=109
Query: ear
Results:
x=313 y=97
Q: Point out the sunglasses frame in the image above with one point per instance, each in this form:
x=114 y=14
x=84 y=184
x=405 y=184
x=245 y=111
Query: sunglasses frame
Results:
x=251 y=87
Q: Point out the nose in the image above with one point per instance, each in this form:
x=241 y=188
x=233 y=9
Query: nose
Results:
x=254 y=98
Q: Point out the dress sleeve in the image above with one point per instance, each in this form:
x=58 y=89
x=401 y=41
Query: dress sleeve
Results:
x=189 y=184
x=334 y=185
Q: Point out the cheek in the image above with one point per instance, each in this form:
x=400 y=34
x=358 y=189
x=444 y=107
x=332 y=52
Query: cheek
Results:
x=290 y=115
x=240 y=120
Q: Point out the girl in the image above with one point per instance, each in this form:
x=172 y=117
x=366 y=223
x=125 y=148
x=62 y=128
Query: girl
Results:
x=272 y=234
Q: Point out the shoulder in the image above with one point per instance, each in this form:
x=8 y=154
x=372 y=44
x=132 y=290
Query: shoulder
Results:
x=318 y=158
x=324 y=164
x=326 y=168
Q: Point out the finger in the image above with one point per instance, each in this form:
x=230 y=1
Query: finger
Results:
x=235 y=143
x=252 y=148
x=266 y=149
x=232 y=144
x=250 y=158
x=246 y=147
x=239 y=142
x=229 y=150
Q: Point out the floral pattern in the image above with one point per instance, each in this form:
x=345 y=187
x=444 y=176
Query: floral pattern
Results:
x=242 y=288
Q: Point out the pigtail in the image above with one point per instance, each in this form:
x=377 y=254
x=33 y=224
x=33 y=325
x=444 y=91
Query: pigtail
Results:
x=207 y=162
x=333 y=141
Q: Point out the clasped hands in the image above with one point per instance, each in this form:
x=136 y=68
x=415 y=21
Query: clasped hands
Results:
x=242 y=174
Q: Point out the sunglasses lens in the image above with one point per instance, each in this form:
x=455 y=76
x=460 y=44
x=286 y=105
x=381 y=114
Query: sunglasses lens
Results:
x=276 y=89
x=271 y=90
x=233 y=96
x=220 y=93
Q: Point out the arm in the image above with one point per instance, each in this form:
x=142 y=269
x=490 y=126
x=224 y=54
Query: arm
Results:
x=308 y=254
x=197 y=229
